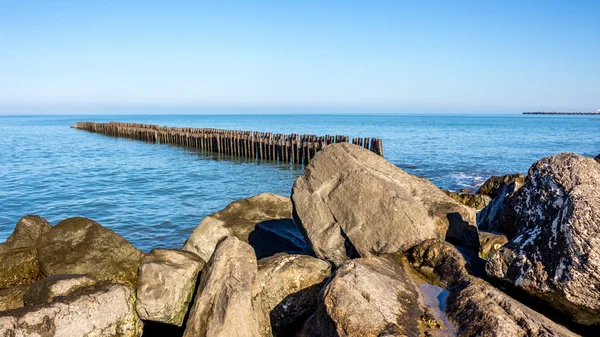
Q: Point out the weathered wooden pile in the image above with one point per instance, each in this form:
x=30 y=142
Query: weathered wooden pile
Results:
x=294 y=148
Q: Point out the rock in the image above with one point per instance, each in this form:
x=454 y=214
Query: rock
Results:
x=477 y=201
x=555 y=255
x=229 y=302
x=82 y=246
x=352 y=202
x=26 y=232
x=103 y=311
x=18 y=267
x=492 y=187
x=12 y=298
x=47 y=289
x=490 y=242
x=166 y=284
x=290 y=289
x=477 y=307
x=373 y=296
x=466 y=190
x=597 y=158
x=264 y=220
x=502 y=188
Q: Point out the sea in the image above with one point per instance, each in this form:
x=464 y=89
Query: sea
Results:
x=154 y=195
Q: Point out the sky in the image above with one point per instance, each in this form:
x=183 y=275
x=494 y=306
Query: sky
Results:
x=472 y=56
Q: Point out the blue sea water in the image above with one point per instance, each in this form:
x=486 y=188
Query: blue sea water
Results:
x=155 y=195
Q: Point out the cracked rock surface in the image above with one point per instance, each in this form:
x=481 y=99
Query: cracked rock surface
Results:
x=555 y=255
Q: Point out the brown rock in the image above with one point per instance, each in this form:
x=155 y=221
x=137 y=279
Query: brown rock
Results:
x=290 y=289
x=555 y=255
x=490 y=242
x=18 y=267
x=351 y=202
x=82 y=246
x=264 y=220
x=229 y=302
x=27 y=231
x=47 y=289
x=12 y=298
x=492 y=187
x=477 y=201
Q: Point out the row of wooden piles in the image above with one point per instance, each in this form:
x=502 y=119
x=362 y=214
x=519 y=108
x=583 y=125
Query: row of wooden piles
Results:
x=292 y=148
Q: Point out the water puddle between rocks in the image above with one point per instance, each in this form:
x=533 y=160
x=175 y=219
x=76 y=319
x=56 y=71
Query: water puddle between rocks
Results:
x=434 y=297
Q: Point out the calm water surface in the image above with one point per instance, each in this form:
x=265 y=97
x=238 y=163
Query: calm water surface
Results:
x=155 y=195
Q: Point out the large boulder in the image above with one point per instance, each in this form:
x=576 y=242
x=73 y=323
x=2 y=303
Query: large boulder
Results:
x=105 y=310
x=47 y=289
x=27 y=231
x=490 y=242
x=166 y=284
x=555 y=255
x=373 y=296
x=264 y=220
x=12 y=298
x=474 y=305
x=82 y=246
x=290 y=289
x=500 y=188
x=229 y=302
x=477 y=201
x=18 y=267
x=352 y=202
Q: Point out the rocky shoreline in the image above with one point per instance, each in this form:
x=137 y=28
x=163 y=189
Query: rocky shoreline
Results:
x=360 y=248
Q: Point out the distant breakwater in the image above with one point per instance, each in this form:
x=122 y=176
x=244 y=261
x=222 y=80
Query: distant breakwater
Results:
x=293 y=148
x=560 y=113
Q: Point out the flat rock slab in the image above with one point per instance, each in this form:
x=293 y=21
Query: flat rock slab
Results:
x=27 y=231
x=290 y=289
x=555 y=255
x=104 y=311
x=18 y=267
x=264 y=221
x=228 y=303
x=166 y=284
x=352 y=202
x=82 y=246
x=47 y=289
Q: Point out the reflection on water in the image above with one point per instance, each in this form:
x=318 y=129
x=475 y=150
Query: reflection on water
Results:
x=434 y=298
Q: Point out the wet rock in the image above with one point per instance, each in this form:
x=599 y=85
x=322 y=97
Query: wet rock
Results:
x=351 y=202
x=555 y=255
x=27 y=231
x=264 y=221
x=477 y=307
x=166 y=284
x=490 y=242
x=103 y=311
x=12 y=298
x=47 y=289
x=493 y=186
x=290 y=289
x=18 y=267
x=372 y=296
x=477 y=201
x=82 y=246
x=229 y=302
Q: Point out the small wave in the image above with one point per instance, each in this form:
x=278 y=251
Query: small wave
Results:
x=467 y=179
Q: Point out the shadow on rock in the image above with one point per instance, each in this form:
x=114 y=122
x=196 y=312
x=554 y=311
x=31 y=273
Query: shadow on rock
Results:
x=459 y=228
x=277 y=236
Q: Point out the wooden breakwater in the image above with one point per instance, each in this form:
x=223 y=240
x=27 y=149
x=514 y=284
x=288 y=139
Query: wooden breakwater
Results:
x=559 y=113
x=293 y=148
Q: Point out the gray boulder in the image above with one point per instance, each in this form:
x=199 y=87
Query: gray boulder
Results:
x=229 y=302
x=290 y=289
x=18 y=267
x=490 y=242
x=166 y=284
x=374 y=296
x=477 y=201
x=106 y=310
x=47 y=289
x=474 y=305
x=500 y=188
x=27 y=231
x=555 y=255
x=82 y=246
x=351 y=202
x=12 y=298
x=264 y=220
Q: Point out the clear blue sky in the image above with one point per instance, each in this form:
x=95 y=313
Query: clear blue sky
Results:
x=484 y=56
